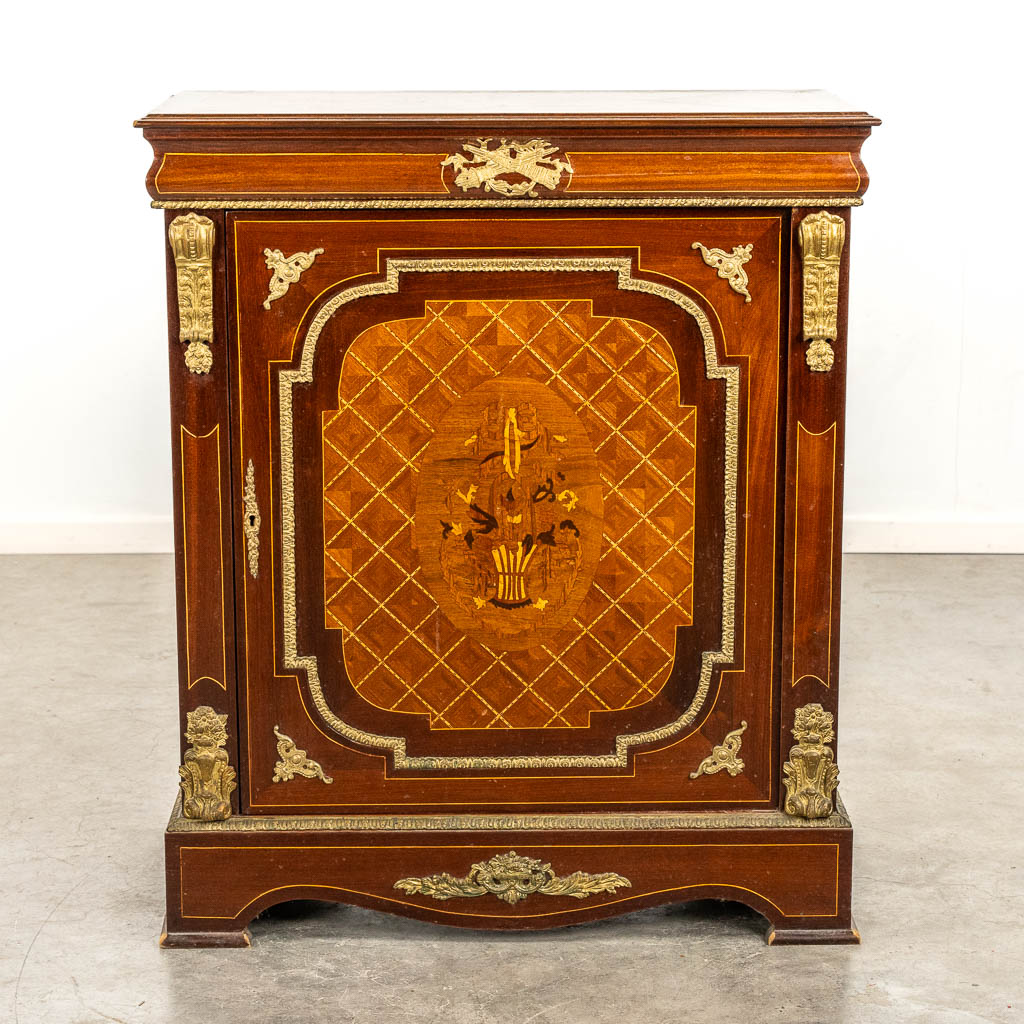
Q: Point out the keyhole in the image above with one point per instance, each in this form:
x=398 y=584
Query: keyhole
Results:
x=252 y=520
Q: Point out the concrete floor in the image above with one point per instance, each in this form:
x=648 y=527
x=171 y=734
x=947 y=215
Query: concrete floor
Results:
x=932 y=776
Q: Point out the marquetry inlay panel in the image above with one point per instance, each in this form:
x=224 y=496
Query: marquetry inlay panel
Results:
x=509 y=513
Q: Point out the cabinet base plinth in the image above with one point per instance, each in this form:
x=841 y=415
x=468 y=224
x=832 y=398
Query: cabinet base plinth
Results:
x=781 y=936
x=236 y=938
x=510 y=872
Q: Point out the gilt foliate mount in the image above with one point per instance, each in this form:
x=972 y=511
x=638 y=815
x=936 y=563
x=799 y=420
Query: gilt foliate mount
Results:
x=729 y=265
x=293 y=760
x=251 y=521
x=822 y=237
x=207 y=780
x=724 y=756
x=811 y=774
x=286 y=270
x=512 y=878
x=511 y=169
x=191 y=238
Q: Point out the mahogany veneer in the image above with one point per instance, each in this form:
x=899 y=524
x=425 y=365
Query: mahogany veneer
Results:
x=508 y=450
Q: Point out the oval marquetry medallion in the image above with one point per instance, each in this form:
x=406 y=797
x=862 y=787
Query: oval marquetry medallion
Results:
x=508 y=519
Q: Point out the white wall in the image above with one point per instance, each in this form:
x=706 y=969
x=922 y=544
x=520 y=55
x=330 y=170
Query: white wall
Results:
x=936 y=433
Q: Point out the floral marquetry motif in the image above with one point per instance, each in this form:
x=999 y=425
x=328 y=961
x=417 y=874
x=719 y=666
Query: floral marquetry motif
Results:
x=509 y=514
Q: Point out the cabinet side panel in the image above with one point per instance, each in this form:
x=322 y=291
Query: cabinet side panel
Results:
x=815 y=433
x=202 y=558
x=813 y=566
x=203 y=507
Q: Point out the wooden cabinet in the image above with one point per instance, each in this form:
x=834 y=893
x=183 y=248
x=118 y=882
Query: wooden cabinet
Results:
x=509 y=457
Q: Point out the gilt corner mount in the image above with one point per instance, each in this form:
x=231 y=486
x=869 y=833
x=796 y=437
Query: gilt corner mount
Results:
x=191 y=237
x=811 y=774
x=724 y=756
x=729 y=265
x=292 y=761
x=822 y=236
x=286 y=271
x=207 y=779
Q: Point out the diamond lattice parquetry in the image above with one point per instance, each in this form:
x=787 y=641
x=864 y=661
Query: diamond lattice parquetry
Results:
x=398 y=380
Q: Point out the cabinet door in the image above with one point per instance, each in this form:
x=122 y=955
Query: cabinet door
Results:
x=511 y=508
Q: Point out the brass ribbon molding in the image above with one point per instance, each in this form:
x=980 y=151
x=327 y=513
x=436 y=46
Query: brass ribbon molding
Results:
x=512 y=878
x=822 y=236
x=479 y=202
x=622 y=267
x=191 y=237
x=207 y=780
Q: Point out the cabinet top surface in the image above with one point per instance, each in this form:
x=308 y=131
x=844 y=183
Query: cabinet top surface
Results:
x=752 y=104
x=324 y=148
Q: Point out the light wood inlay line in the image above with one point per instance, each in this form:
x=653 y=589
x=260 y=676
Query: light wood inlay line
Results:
x=202 y=558
x=813 y=544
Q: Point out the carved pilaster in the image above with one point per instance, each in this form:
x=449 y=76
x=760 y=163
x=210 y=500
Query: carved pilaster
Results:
x=191 y=237
x=822 y=236
x=811 y=774
x=207 y=780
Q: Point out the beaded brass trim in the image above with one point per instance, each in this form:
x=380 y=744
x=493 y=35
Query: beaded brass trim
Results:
x=596 y=821
x=308 y=664
x=477 y=204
